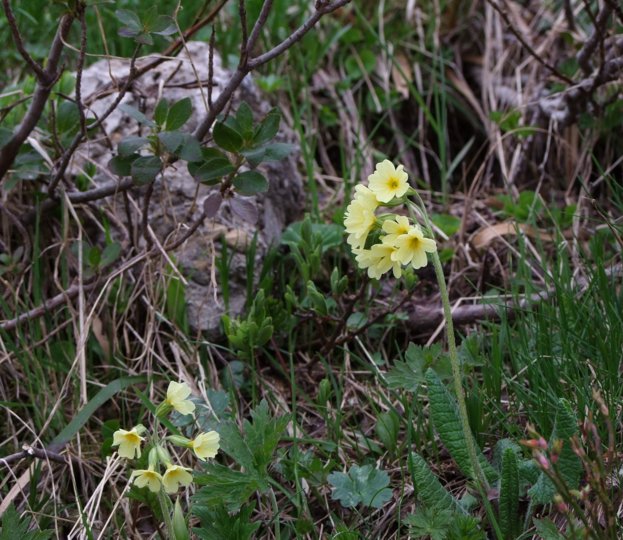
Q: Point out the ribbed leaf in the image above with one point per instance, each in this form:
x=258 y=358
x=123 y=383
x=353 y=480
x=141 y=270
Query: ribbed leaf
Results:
x=569 y=465
x=428 y=488
x=509 y=495
x=445 y=415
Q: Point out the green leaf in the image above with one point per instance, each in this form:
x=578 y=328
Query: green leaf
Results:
x=179 y=114
x=133 y=112
x=362 y=485
x=161 y=111
x=176 y=301
x=145 y=169
x=67 y=117
x=5 y=136
x=269 y=152
x=89 y=409
x=223 y=485
x=429 y=490
x=250 y=183
x=130 y=145
x=226 y=137
x=122 y=165
x=330 y=235
x=509 y=495
x=430 y=522
x=163 y=26
x=190 y=150
x=387 y=429
x=216 y=523
x=447 y=223
x=212 y=167
x=547 y=530
x=268 y=128
x=445 y=416
x=171 y=140
x=569 y=465
x=244 y=118
x=15 y=527
x=129 y=19
x=410 y=373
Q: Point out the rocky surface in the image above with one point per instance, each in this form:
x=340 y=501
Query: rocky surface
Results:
x=178 y=198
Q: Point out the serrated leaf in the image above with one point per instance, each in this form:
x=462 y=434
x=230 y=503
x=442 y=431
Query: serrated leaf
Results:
x=509 y=495
x=216 y=523
x=269 y=152
x=179 y=113
x=547 y=529
x=15 y=527
x=130 y=145
x=250 y=183
x=133 y=112
x=362 y=485
x=268 y=128
x=445 y=416
x=226 y=137
x=122 y=165
x=569 y=465
x=429 y=490
x=223 y=485
x=145 y=169
x=410 y=373
x=430 y=522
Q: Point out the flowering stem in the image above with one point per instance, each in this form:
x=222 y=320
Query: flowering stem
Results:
x=166 y=514
x=457 y=376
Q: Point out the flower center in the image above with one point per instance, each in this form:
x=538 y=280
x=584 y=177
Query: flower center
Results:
x=393 y=183
x=415 y=242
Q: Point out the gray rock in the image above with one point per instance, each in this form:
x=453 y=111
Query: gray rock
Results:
x=178 y=198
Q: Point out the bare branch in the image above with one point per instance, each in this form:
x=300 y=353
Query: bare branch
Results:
x=19 y=43
x=244 y=68
x=597 y=37
x=259 y=24
x=42 y=92
x=298 y=34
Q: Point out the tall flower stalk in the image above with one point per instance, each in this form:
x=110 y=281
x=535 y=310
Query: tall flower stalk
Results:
x=399 y=242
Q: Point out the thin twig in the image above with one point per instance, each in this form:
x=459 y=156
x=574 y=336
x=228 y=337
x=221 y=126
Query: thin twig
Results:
x=259 y=24
x=19 y=43
x=42 y=92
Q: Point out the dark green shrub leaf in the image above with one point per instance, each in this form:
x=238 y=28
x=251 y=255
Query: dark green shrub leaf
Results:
x=122 y=165
x=226 y=137
x=161 y=111
x=179 y=113
x=269 y=152
x=133 y=112
x=130 y=145
x=250 y=183
x=268 y=128
x=129 y=19
x=145 y=169
x=212 y=166
x=67 y=117
x=244 y=118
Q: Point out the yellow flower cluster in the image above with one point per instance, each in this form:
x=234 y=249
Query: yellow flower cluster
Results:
x=204 y=446
x=401 y=243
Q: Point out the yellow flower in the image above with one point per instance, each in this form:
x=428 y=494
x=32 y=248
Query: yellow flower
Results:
x=147 y=477
x=412 y=248
x=177 y=397
x=206 y=445
x=378 y=260
x=129 y=442
x=359 y=217
x=175 y=476
x=387 y=181
x=395 y=228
